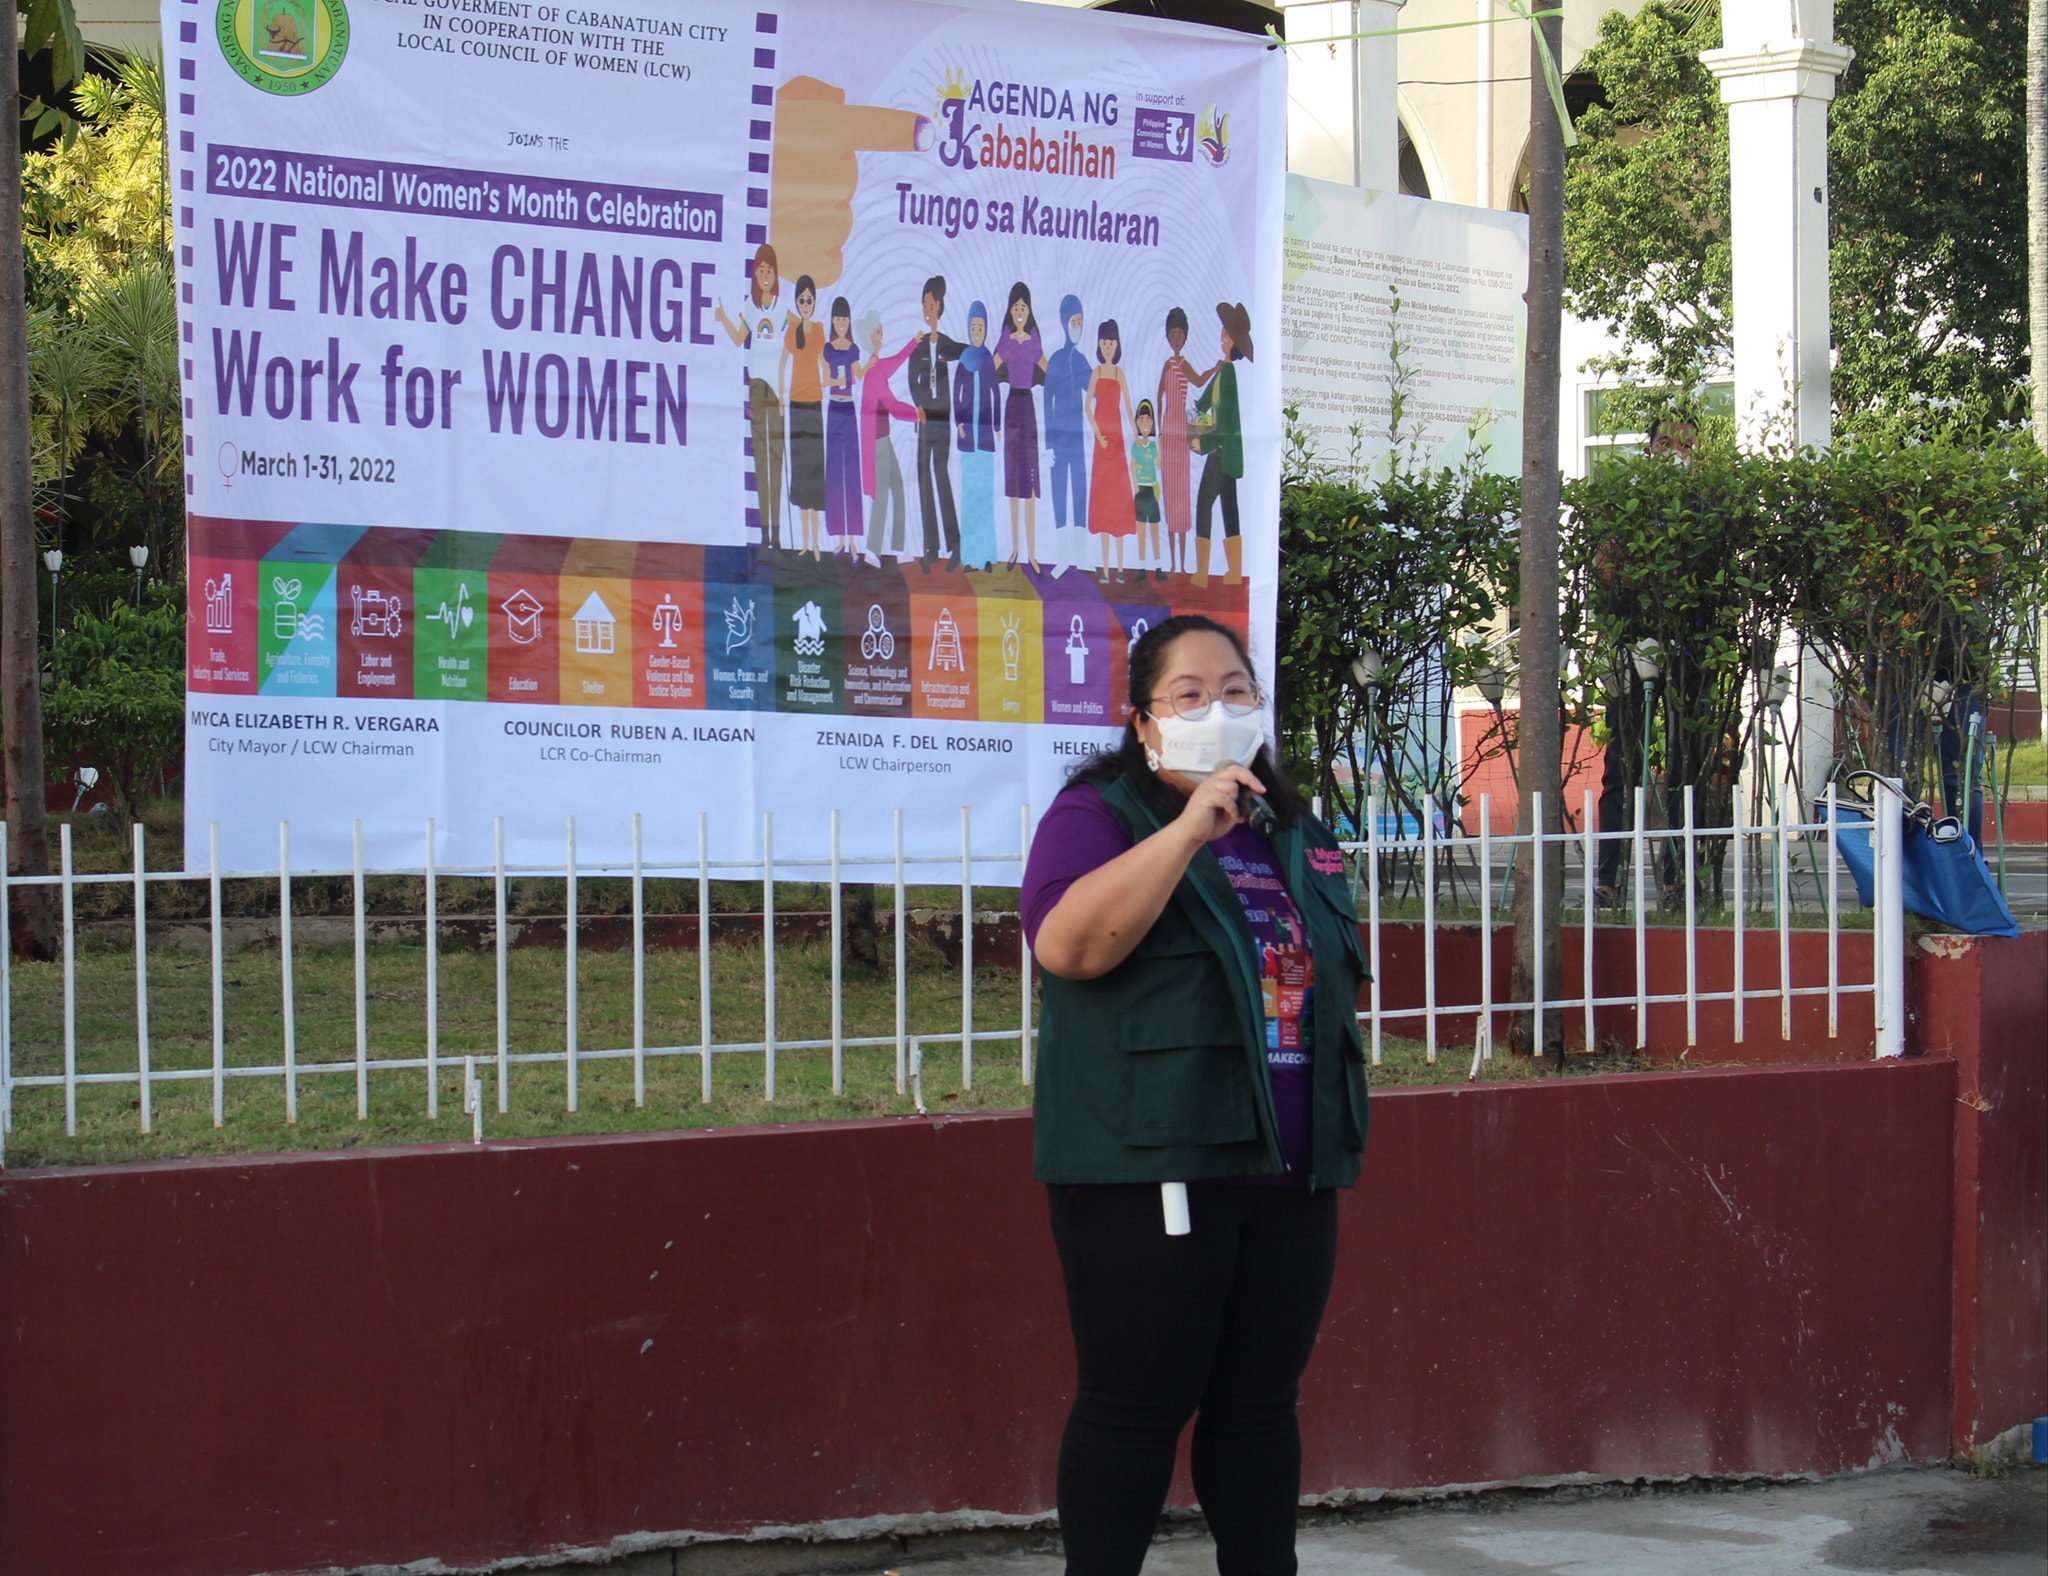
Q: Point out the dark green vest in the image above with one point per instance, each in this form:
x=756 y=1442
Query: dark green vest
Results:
x=1156 y=1072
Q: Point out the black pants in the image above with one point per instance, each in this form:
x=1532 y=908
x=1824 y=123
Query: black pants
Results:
x=1218 y=1323
x=934 y=450
x=1217 y=483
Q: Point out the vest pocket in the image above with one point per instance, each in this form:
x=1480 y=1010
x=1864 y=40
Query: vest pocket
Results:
x=1337 y=908
x=1354 y=1104
x=1187 y=1094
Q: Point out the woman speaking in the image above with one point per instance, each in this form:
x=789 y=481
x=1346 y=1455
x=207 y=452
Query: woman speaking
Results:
x=1201 y=1092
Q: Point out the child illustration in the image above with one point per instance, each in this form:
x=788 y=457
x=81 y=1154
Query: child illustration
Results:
x=1111 y=516
x=801 y=378
x=842 y=432
x=977 y=417
x=1145 y=473
x=1021 y=356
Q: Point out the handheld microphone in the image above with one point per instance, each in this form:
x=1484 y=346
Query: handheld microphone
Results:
x=1258 y=815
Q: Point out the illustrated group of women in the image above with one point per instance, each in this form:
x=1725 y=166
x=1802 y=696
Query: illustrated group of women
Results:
x=1117 y=465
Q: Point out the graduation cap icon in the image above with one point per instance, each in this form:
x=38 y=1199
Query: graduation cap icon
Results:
x=522 y=616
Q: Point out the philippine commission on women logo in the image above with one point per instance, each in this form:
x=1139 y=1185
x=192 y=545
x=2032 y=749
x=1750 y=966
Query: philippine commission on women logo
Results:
x=283 y=46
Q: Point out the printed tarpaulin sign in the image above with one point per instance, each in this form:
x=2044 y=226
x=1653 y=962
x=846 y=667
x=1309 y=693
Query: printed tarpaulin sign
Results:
x=1368 y=272
x=668 y=409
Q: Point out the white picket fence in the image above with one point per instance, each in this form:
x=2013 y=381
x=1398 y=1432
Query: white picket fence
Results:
x=1758 y=854
x=1760 y=864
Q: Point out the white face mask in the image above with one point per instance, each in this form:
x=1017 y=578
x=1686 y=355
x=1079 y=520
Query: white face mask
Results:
x=1198 y=748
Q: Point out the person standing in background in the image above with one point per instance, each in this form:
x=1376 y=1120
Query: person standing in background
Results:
x=1066 y=433
x=1218 y=436
x=1110 y=499
x=842 y=432
x=1021 y=354
x=931 y=392
x=1177 y=381
x=881 y=478
x=802 y=378
x=977 y=417
x=754 y=329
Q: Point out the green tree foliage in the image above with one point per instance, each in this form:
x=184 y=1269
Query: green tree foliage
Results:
x=1929 y=556
x=1900 y=556
x=1690 y=551
x=96 y=205
x=1928 y=223
x=1404 y=563
x=104 y=423
x=115 y=694
x=1646 y=194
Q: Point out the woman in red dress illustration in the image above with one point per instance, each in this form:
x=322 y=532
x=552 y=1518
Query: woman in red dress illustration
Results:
x=1111 y=512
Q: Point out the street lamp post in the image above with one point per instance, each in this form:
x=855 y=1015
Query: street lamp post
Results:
x=1772 y=697
x=1648 y=658
x=1368 y=672
x=53 y=560
x=138 y=555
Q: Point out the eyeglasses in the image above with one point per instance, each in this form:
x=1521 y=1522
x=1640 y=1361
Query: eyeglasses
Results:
x=1191 y=702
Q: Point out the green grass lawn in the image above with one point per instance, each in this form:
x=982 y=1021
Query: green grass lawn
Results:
x=2028 y=764
x=180 y=1020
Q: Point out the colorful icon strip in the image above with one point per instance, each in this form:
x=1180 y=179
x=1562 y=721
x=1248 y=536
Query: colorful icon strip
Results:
x=317 y=611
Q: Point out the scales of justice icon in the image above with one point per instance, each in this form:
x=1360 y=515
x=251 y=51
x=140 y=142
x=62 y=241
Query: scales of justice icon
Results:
x=668 y=621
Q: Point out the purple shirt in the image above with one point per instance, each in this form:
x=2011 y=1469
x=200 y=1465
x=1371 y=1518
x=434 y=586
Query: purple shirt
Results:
x=1080 y=834
x=1020 y=360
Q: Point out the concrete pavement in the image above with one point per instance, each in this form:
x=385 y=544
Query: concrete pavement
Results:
x=1919 y=1522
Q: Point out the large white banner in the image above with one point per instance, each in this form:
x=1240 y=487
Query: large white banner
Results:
x=1392 y=298
x=593 y=412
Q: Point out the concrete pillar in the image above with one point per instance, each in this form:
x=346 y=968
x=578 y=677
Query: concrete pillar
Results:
x=1482 y=93
x=1777 y=69
x=1342 y=121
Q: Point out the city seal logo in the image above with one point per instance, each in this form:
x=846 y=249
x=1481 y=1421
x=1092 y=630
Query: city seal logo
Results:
x=283 y=46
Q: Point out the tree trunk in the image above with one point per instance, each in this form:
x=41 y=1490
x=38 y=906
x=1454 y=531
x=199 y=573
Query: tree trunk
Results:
x=1539 y=743
x=2037 y=208
x=857 y=949
x=21 y=696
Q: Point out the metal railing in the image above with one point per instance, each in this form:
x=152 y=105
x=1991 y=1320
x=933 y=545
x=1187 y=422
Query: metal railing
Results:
x=836 y=868
x=1757 y=853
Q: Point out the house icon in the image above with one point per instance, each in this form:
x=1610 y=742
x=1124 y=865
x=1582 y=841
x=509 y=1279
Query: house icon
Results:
x=596 y=630
x=522 y=616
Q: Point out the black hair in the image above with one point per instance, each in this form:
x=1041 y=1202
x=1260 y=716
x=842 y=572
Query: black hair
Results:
x=1107 y=329
x=1176 y=318
x=841 y=309
x=1020 y=291
x=805 y=282
x=1127 y=760
x=935 y=287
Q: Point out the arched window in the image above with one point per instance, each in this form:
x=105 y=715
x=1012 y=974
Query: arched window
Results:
x=1414 y=180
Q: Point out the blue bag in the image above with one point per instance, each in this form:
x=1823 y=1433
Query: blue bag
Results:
x=1946 y=879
